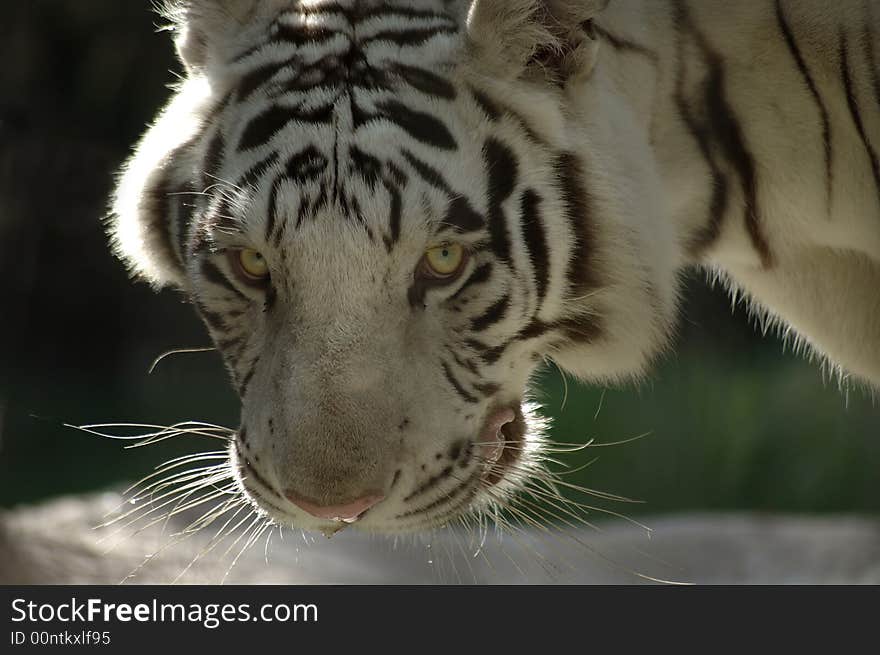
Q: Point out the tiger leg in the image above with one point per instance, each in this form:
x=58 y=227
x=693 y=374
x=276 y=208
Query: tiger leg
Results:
x=831 y=299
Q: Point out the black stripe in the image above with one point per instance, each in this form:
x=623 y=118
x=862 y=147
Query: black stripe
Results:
x=429 y=484
x=473 y=344
x=236 y=343
x=730 y=137
x=263 y=127
x=358 y=214
x=719 y=200
x=461 y=217
x=246 y=380
x=305 y=207
x=489 y=354
x=258 y=77
x=480 y=275
x=853 y=103
x=492 y=355
x=491 y=316
x=466 y=364
x=221 y=216
x=534 y=330
x=212 y=274
x=252 y=175
x=308 y=164
x=626 y=45
x=302 y=35
x=581 y=274
x=395 y=215
x=271 y=298
x=215 y=320
x=487 y=389
x=419 y=125
x=722 y=126
x=324 y=75
x=585 y=328
x=397 y=175
x=795 y=51
x=177 y=211
x=869 y=38
x=486 y=104
x=467 y=491
x=201 y=242
x=404 y=12
x=272 y=213
x=321 y=202
x=409 y=37
x=457 y=386
x=213 y=159
x=368 y=166
x=170 y=205
x=495 y=111
x=536 y=242
x=247 y=53
x=502 y=171
x=428 y=173
x=426 y=81
x=444 y=499
x=232 y=348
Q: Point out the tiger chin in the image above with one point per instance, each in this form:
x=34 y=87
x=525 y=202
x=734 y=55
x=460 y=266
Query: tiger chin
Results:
x=388 y=214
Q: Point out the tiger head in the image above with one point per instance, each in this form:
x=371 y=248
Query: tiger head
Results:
x=388 y=214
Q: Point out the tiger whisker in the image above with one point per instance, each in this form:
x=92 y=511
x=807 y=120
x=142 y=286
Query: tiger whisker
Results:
x=172 y=497
x=218 y=537
x=208 y=517
x=573 y=537
x=144 y=509
x=224 y=182
x=169 y=466
x=260 y=524
x=551 y=499
x=178 y=351
x=492 y=491
x=542 y=473
x=161 y=432
x=544 y=533
x=190 y=475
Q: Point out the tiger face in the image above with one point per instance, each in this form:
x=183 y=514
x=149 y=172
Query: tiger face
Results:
x=387 y=219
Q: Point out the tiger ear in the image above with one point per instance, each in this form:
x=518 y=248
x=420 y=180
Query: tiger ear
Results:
x=153 y=203
x=551 y=37
x=203 y=27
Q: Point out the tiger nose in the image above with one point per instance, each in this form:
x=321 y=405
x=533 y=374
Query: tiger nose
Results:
x=349 y=512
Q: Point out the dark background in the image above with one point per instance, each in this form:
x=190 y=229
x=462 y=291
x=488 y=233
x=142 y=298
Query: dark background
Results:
x=735 y=422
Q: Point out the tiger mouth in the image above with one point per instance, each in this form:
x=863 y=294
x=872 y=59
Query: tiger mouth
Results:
x=501 y=442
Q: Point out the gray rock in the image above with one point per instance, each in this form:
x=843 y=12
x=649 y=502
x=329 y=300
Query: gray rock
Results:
x=57 y=543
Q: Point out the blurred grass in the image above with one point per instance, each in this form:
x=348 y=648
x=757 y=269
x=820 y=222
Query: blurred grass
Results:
x=761 y=434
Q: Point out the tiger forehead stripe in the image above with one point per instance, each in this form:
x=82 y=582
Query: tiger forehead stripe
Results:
x=344 y=35
x=318 y=55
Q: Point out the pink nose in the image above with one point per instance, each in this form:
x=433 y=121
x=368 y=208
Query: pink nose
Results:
x=348 y=512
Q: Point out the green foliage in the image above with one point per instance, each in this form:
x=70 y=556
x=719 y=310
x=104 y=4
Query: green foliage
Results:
x=724 y=434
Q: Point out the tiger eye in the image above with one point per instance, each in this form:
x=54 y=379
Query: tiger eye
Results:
x=444 y=261
x=252 y=264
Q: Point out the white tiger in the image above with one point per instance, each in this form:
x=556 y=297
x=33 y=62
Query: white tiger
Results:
x=388 y=213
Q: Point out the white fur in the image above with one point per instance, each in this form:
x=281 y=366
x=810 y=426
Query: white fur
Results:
x=343 y=356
